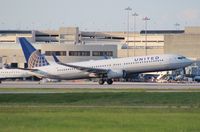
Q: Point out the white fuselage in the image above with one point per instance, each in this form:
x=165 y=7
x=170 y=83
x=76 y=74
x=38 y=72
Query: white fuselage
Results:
x=13 y=73
x=129 y=65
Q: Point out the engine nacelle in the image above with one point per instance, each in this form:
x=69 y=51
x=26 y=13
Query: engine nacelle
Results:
x=116 y=74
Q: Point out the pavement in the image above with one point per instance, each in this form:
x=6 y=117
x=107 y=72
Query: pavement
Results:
x=95 y=85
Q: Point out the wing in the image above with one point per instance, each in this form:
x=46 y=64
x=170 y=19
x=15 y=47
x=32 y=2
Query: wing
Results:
x=38 y=73
x=81 y=68
x=42 y=74
x=86 y=69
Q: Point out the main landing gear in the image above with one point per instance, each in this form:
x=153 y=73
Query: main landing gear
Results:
x=102 y=81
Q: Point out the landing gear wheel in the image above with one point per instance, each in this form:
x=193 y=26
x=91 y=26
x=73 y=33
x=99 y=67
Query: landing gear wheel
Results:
x=101 y=81
x=109 y=81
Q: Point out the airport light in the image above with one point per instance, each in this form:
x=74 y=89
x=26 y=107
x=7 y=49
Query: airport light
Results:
x=134 y=28
x=146 y=19
x=128 y=9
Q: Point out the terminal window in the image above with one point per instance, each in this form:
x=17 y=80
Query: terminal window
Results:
x=102 y=53
x=57 y=53
x=79 y=53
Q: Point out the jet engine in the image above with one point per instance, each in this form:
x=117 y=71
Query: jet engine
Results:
x=116 y=74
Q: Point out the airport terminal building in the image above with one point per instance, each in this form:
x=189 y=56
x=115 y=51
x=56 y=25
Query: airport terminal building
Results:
x=72 y=45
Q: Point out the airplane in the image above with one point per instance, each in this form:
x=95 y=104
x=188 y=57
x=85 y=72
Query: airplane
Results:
x=106 y=70
x=13 y=74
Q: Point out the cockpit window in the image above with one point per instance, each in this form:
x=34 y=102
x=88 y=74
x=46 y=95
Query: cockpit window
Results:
x=181 y=57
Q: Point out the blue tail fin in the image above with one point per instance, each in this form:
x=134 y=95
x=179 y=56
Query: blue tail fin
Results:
x=27 y=48
x=33 y=57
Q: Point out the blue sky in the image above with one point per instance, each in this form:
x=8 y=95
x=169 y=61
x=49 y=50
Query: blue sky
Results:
x=97 y=15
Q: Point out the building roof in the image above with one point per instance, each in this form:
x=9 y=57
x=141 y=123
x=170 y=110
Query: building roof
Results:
x=162 y=31
x=15 y=32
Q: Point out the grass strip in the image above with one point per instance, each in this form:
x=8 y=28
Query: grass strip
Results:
x=105 y=99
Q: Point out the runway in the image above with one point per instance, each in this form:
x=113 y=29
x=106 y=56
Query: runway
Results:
x=95 y=85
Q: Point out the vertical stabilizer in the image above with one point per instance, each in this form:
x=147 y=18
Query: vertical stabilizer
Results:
x=33 y=57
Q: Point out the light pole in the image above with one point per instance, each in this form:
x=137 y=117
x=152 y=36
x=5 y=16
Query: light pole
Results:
x=2 y=24
x=134 y=29
x=145 y=20
x=128 y=9
x=4 y=61
x=177 y=25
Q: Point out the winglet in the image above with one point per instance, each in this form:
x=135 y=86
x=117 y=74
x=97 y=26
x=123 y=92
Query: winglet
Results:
x=106 y=57
x=55 y=58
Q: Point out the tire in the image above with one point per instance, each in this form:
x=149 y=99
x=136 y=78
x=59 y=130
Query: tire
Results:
x=109 y=81
x=101 y=81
